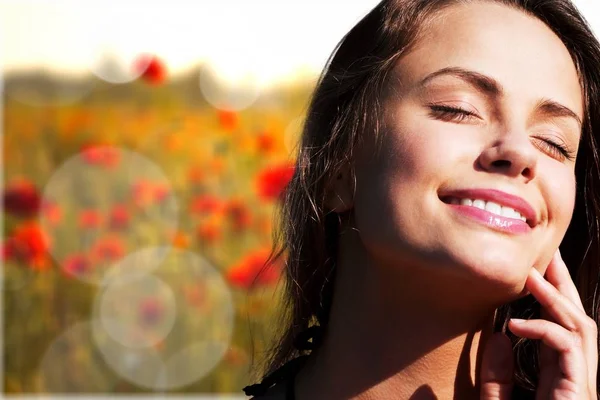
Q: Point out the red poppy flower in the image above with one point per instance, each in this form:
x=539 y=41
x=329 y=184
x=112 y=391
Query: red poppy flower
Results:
x=119 y=217
x=108 y=249
x=235 y=356
x=151 y=69
x=142 y=193
x=8 y=252
x=90 y=219
x=196 y=174
x=227 y=119
x=239 y=214
x=206 y=204
x=265 y=142
x=209 y=231
x=76 y=265
x=249 y=273
x=146 y=192
x=217 y=165
x=161 y=192
x=30 y=244
x=51 y=212
x=272 y=181
x=180 y=240
x=100 y=155
x=21 y=198
x=195 y=295
x=151 y=310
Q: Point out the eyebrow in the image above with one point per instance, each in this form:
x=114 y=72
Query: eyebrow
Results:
x=490 y=86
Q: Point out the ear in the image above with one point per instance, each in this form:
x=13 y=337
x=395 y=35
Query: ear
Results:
x=339 y=193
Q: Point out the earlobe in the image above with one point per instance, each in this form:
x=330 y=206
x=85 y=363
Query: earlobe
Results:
x=340 y=191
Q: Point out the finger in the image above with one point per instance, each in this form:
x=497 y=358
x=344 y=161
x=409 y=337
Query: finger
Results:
x=497 y=368
x=590 y=346
x=571 y=357
x=558 y=275
x=564 y=312
x=556 y=304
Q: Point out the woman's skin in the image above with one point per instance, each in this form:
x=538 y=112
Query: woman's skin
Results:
x=417 y=282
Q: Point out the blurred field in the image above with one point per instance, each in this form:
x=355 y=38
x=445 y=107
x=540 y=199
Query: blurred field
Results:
x=92 y=185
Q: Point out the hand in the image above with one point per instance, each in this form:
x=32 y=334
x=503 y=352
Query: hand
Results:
x=569 y=349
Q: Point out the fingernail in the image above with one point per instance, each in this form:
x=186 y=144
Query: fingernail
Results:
x=518 y=320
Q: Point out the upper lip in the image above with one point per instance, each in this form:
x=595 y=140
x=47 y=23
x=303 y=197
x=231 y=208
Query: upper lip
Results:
x=499 y=197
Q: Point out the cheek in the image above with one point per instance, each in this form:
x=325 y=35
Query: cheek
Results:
x=559 y=193
x=420 y=150
x=396 y=189
x=388 y=187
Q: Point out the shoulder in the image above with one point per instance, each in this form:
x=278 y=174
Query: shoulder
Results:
x=276 y=392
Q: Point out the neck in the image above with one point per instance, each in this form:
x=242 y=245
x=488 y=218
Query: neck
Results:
x=393 y=333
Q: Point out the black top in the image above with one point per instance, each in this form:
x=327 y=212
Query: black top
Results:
x=282 y=380
x=280 y=385
x=290 y=393
x=284 y=390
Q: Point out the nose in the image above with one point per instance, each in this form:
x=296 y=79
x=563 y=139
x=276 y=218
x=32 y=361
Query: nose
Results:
x=512 y=155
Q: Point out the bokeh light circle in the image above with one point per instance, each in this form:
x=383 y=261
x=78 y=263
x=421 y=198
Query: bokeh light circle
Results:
x=113 y=201
x=47 y=88
x=135 y=266
x=115 y=67
x=70 y=364
x=199 y=338
x=111 y=58
x=137 y=312
x=140 y=366
x=228 y=94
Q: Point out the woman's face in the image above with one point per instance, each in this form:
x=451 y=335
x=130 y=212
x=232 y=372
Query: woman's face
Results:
x=503 y=152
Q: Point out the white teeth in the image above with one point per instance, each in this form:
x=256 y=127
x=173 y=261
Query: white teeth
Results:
x=490 y=206
x=479 y=204
x=510 y=213
x=494 y=208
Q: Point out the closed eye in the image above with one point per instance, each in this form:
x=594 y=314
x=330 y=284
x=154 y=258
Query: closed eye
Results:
x=556 y=150
x=457 y=114
x=454 y=114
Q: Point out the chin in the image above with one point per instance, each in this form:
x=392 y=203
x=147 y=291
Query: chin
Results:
x=496 y=269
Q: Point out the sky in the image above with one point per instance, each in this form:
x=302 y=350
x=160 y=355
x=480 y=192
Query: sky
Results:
x=267 y=39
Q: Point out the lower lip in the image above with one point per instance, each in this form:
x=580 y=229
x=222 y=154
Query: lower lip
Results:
x=494 y=221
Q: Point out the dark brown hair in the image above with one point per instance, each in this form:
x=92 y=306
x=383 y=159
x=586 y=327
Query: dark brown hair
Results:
x=346 y=104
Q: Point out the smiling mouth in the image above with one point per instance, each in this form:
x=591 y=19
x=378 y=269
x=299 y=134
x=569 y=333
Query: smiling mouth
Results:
x=489 y=213
x=503 y=204
x=490 y=206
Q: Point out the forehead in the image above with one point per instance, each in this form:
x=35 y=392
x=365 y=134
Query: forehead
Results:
x=517 y=50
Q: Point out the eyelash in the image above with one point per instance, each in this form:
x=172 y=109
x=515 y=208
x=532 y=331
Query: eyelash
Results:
x=452 y=113
x=457 y=114
x=555 y=148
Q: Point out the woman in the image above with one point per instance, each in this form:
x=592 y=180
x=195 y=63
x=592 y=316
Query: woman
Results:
x=450 y=148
